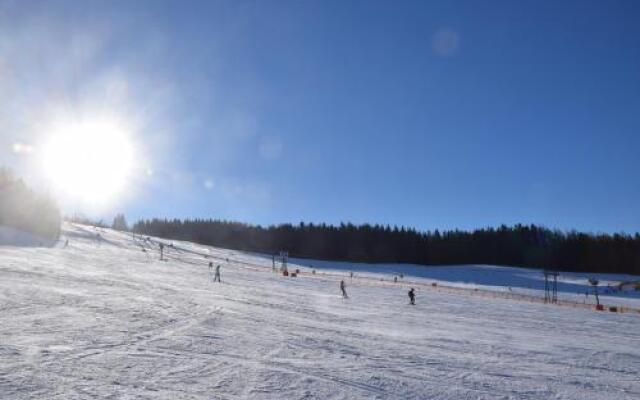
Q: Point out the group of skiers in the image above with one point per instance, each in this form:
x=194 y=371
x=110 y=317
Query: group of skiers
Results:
x=343 y=289
x=215 y=273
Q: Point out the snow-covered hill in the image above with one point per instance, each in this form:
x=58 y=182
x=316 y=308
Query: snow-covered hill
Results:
x=101 y=318
x=500 y=281
x=14 y=237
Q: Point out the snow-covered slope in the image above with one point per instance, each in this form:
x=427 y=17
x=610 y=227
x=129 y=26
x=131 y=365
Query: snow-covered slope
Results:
x=13 y=237
x=101 y=318
x=572 y=286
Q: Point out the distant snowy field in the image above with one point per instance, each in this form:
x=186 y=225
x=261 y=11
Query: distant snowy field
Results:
x=571 y=286
x=103 y=319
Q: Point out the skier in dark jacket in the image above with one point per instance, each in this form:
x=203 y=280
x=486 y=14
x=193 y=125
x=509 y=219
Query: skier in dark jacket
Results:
x=412 y=297
x=344 y=290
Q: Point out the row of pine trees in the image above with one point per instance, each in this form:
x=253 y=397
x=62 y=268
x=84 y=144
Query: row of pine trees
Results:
x=518 y=245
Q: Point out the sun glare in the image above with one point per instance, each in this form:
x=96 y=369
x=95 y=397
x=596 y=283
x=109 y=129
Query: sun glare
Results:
x=88 y=161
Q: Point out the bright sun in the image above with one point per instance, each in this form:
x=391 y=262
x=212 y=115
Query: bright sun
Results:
x=88 y=161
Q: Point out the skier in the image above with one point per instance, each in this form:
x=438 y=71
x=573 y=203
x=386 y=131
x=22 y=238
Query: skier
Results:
x=216 y=278
x=210 y=270
x=344 y=290
x=412 y=297
x=161 y=251
x=395 y=279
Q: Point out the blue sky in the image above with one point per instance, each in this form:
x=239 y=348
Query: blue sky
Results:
x=452 y=114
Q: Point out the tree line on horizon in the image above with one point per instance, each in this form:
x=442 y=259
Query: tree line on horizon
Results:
x=517 y=245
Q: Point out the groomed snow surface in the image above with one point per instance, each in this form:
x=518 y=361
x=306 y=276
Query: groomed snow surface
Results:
x=101 y=318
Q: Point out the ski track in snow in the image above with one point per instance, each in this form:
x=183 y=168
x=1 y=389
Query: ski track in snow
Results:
x=101 y=319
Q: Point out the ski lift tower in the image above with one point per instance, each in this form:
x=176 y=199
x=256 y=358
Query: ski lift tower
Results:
x=550 y=286
x=284 y=258
x=594 y=282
